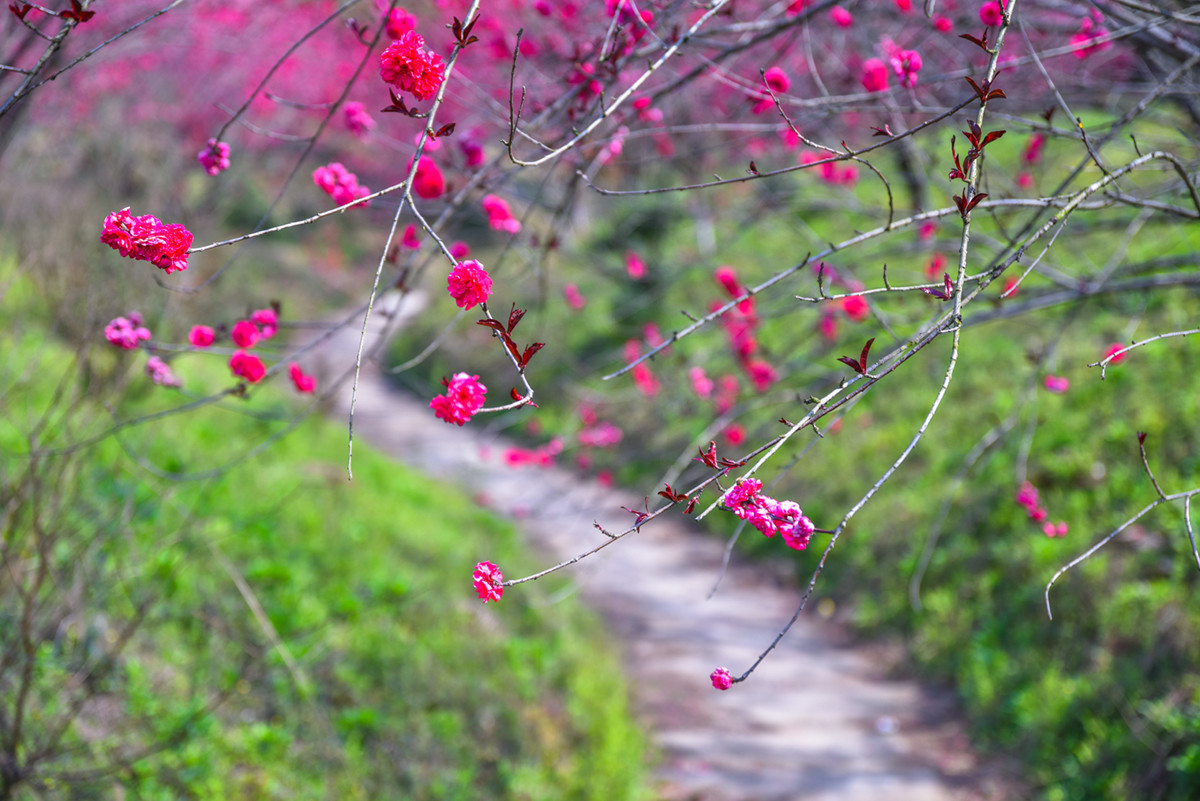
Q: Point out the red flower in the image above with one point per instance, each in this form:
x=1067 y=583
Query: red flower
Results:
x=428 y=182
x=201 y=336
x=248 y=366
x=875 y=75
x=304 y=383
x=147 y=239
x=464 y=397
x=408 y=66
x=489 y=581
x=469 y=284
x=245 y=334
x=721 y=679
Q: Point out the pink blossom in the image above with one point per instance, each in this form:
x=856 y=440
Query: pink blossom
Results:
x=399 y=22
x=1024 y=180
x=855 y=308
x=459 y=251
x=928 y=230
x=645 y=381
x=605 y=478
x=304 y=383
x=702 y=385
x=247 y=365
x=904 y=5
x=409 y=67
x=1113 y=354
x=601 y=435
x=464 y=397
x=735 y=434
x=161 y=374
x=147 y=239
x=469 y=284
x=1057 y=384
x=943 y=24
x=409 y=239
x=341 y=184
x=727 y=278
x=634 y=265
x=762 y=375
x=874 y=75
x=214 y=157
x=428 y=182
x=906 y=64
x=500 y=217
x=355 y=115
x=793 y=526
x=1033 y=148
x=489 y=582
x=1027 y=496
x=1084 y=43
x=472 y=151
x=991 y=14
x=841 y=17
x=828 y=326
x=574 y=297
x=1053 y=530
x=245 y=334
x=727 y=393
x=201 y=336
x=652 y=335
x=266 y=320
x=721 y=679
x=126 y=332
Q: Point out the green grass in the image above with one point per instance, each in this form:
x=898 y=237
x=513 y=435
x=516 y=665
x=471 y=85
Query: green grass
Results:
x=401 y=684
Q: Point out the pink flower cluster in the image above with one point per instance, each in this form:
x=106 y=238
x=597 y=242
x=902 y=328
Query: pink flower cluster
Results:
x=261 y=324
x=304 y=383
x=469 y=284
x=160 y=373
x=126 y=332
x=1057 y=384
x=906 y=64
x=500 y=216
x=341 y=184
x=721 y=679
x=489 y=582
x=464 y=397
x=409 y=67
x=147 y=239
x=1084 y=42
x=1027 y=497
x=214 y=158
x=768 y=515
x=357 y=120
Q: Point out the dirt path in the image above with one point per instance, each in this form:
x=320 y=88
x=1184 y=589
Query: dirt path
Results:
x=818 y=721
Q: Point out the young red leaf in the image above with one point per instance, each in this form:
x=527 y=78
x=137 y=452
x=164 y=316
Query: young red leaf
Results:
x=445 y=130
x=991 y=137
x=978 y=197
x=530 y=351
x=514 y=317
x=886 y=130
x=19 y=10
x=753 y=168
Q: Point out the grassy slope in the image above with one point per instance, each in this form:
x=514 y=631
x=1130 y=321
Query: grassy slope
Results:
x=405 y=686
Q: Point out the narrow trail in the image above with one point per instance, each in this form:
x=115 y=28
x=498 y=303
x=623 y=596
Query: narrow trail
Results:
x=818 y=721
